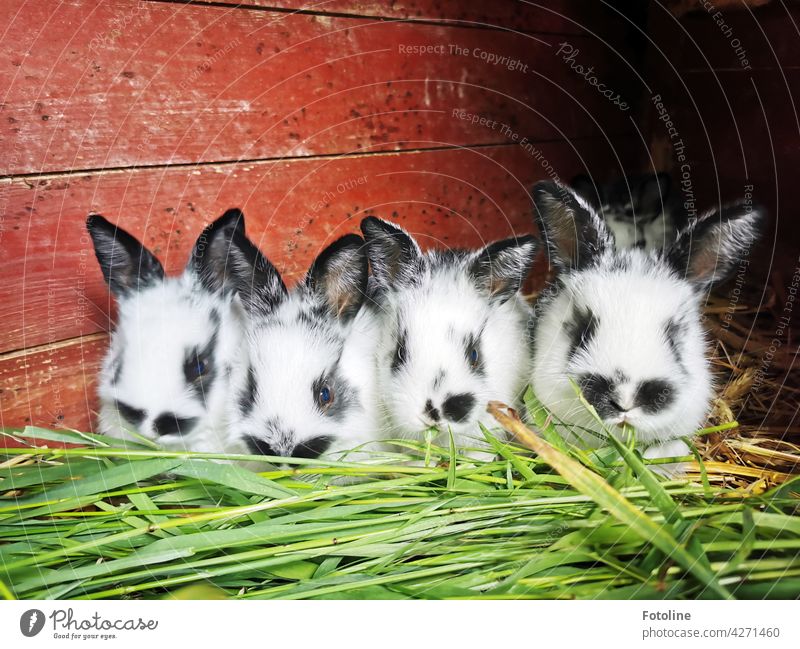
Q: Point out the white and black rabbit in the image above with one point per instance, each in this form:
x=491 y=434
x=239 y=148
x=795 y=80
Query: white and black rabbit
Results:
x=625 y=325
x=640 y=210
x=453 y=335
x=307 y=388
x=165 y=375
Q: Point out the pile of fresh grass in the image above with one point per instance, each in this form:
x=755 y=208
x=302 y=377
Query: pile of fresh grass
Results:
x=105 y=522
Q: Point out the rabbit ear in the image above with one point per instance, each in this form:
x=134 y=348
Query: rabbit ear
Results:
x=501 y=267
x=210 y=261
x=126 y=264
x=706 y=251
x=339 y=276
x=574 y=233
x=653 y=191
x=393 y=253
x=256 y=280
x=584 y=186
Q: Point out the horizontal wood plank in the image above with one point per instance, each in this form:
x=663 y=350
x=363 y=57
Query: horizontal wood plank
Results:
x=114 y=84
x=555 y=16
x=52 y=387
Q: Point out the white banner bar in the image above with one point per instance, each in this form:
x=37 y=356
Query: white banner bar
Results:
x=377 y=625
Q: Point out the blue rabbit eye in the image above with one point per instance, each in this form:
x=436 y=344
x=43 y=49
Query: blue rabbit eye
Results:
x=325 y=397
x=195 y=368
x=473 y=356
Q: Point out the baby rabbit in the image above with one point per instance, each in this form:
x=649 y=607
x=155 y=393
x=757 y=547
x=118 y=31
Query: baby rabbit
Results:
x=165 y=374
x=640 y=211
x=308 y=387
x=453 y=333
x=625 y=325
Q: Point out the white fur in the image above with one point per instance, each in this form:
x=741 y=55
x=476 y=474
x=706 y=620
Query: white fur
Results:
x=438 y=316
x=632 y=303
x=633 y=295
x=156 y=326
x=288 y=355
x=437 y=313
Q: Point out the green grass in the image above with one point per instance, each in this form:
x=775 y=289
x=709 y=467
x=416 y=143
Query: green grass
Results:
x=103 y=521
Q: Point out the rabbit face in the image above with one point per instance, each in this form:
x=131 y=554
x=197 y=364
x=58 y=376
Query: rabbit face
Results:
x=629 y=336
x=625 y=326
x=166 y=372
x=307 y=388
x=453 y=333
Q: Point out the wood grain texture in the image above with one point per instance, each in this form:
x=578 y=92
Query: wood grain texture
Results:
x=554 y=16
x=294 y=208
x=97 y=85
x=53 y=386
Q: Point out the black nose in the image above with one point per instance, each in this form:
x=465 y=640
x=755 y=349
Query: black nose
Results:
x=432 y=412
x=309 y=450
x=312 y=448
x=260 y=447
x=458 y=406
x=170 y=424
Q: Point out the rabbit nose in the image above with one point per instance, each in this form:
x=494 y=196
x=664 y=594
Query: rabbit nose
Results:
x=458 y=406
x=169 y=423
x=616 y=405
x=431 y=412
x=312 y=448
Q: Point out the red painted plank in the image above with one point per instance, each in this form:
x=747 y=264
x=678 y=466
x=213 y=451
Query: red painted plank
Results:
x=52 y=387
x=192 y=83
x=554 y=16
x=52 y=289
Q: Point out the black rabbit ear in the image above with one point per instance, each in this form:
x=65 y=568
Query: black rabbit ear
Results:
x=210 y=260
x=126 y=264
x=585 y=187
x=653 y=191
x=255 y=279
x=707 y=250
x=575 y=235
x=339 y=276
x=501 y=267
x=393 y=253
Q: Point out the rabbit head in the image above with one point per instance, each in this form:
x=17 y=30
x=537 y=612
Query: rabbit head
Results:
x=625 y=325
x=307 y=388
x=453 y=335
x=165 y=374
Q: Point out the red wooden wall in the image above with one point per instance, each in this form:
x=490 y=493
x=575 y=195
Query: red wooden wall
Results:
x=161 y=115
x=730 y=83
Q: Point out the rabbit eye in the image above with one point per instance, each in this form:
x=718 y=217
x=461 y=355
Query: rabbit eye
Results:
x=400 y=353
x=325 y=397
x=473 y=356
x=196 y=368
